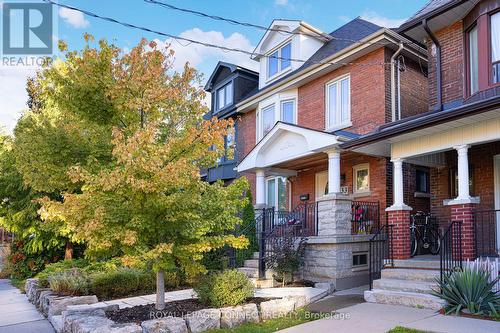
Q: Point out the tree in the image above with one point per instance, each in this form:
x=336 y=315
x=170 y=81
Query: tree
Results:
x=142 y=198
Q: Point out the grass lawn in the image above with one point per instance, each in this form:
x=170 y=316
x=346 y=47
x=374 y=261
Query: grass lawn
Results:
x=400 y=329
x=296 y=318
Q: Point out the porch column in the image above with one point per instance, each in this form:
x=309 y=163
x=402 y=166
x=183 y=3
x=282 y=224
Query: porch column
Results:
x=462 y=207
x=398 y=215
x=333 y=171
x=463 y=172
x=260 y=188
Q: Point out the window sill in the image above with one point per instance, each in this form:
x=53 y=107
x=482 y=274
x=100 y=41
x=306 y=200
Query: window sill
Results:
x=362 y=194
x=360 y=268
x=278 y=75
x=339 y=127
x=422 y=195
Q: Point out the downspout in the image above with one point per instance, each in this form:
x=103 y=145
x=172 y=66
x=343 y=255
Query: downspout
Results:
x=399 y=87
x=439 y=101
x=393 y=82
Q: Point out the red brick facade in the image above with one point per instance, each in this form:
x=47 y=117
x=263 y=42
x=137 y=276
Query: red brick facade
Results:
x=400 y=220
x=464 y=214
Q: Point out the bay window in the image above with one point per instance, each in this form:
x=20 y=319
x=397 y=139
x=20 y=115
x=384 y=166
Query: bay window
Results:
x=495 y=46
x=268 y=119
x=225 y=96
x=279 y=60
x=288 y=111
x=338 y=103
x=473 y=60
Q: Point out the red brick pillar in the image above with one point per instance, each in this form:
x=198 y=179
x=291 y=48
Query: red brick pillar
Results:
x=464 y=213
x=400 y=220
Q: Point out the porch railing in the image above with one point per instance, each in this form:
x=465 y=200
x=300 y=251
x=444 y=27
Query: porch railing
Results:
x=365 y=217
x=451 y=250
x=486 y=224
x=381 y=252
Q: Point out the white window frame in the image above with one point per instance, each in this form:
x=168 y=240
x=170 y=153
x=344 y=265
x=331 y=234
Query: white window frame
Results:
x=294 y=109
x=280 y=70
x=276 y=190
x=338 y=116
x=355 y=169
x=260 y=121
x=224 y=88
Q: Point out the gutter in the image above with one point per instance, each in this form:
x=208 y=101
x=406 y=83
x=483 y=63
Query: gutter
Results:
x=431 y=118
x=393 y=83
x=439 y=100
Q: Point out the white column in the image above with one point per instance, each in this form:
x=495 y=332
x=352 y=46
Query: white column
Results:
x=463 y=172
x=260 y=187
x=333 y=171
x=398 y=182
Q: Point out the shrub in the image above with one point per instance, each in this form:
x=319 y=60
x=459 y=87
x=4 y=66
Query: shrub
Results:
x=248 y=230
x=286 y=255
x=227 y=288
x=73 y=282
x=59 y=267
x=24 y=264
x=469 y=290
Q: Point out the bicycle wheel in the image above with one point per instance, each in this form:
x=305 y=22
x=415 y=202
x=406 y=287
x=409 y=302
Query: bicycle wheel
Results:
x=434 y=242
x=413 y=244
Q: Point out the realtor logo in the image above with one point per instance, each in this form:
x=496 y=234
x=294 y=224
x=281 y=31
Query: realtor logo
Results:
x=27 y=28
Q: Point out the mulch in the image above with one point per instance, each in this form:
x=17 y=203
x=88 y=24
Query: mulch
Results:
x=140 y=313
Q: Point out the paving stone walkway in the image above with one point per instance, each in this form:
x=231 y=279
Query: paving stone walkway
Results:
x=17 y=315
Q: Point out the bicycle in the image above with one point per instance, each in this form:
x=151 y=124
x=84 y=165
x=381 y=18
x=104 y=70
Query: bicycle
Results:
x=427 y=234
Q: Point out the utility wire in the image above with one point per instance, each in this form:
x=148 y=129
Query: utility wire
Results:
x=193 y=41
x=261 y=27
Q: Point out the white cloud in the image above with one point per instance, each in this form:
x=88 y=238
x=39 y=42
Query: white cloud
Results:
x=281 y=2
x=198 y=55
x=74 y=18
x=380 y=20
x=13 y=94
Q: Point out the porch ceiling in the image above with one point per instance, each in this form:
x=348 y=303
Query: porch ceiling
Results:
x=475 y=129
x=308 y=162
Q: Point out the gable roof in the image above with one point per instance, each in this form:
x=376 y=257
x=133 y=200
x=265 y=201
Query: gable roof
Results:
x=343 y=37
x=231 y=67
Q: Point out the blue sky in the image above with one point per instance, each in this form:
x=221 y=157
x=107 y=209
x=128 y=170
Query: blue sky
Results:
x=326 y=15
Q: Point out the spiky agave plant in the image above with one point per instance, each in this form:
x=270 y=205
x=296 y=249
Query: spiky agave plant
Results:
x=469 y=289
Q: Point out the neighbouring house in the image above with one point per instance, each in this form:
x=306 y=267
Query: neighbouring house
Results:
x=315 y=92
x=228 y=84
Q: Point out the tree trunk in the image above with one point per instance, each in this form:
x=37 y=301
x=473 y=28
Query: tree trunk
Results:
x=160 y=290
x=68 y=252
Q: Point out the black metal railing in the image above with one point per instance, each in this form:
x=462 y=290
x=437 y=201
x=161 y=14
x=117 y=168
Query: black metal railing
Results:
x=451 y=250
x=381 y=252
x=485 y=232
x=365 y=217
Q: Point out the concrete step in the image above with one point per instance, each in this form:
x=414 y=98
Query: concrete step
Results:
x=256 y=255
x=251 y=263
x=404 y=298
x=422 y=287
x=416 y=263
x=249 y=272
x=410 y=274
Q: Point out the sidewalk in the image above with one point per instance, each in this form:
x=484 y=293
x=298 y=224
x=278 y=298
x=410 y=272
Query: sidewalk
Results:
x=380 y=318
x=17 y=315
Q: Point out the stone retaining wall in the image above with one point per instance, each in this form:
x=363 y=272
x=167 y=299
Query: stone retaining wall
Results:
x=83 y=314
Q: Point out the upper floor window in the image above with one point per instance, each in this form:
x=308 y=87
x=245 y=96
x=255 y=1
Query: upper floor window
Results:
x=288 y=111
x=495 y=46
x=473 y=60
x=338 y=103
x=279 y=60
x=225 y=96
x=268 y=119
x=230 y=144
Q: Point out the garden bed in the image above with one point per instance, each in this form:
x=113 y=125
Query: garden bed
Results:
x=140 y=313
x=469 y=315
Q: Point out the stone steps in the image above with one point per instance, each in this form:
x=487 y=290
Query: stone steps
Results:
x=417 y=300
x=251 y=263
x=251 y=270
x=417 y=264
x=422 y=287
x=410 y=274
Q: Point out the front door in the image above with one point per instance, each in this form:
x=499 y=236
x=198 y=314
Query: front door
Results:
x=321 y=184
x=496 y=178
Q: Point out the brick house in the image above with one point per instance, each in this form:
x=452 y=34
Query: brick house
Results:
x=457 y=139
x=317 y=91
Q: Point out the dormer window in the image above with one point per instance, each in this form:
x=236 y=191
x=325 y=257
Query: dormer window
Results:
x=279 y=60
x=225 y=96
